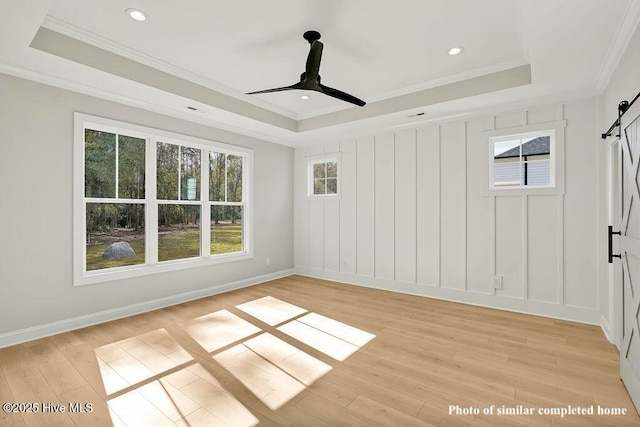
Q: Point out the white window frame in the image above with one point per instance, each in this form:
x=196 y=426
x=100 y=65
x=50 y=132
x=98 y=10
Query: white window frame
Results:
x=315 y=160
x=555 y=130
x=153 y=266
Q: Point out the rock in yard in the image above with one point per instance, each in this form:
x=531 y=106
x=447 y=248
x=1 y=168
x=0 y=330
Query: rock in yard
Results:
x=118 y=250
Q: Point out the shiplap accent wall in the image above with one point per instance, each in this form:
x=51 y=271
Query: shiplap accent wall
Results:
x=414 y=216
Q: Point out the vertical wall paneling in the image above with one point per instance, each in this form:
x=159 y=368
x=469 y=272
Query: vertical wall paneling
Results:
x=428 y=205
x=453 y=201
x=331 y=147
x=581 y=206
x=316 y=150
x=331 y=217
x=493 y=248
x=465 y=211
x=301 y=210
x=525 y=246
x=509 y=245
x=365 y=212
x=542 y=248
x=331 y=224
x=385 y=206
x=414 y=208
x=560 y=249
x=316 y=234
x=509 y=120
x=560 y=111
x=405 y=206
x=348 y=207
x=542 y=114
x=478 y=212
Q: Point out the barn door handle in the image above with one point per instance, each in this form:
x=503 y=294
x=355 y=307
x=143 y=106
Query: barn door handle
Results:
x=611 y=254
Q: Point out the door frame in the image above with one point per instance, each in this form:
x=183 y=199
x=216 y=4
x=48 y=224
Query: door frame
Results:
x=614 y=153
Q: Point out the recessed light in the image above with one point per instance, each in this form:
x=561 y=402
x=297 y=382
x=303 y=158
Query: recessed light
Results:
x=455 y=50
x=136 y=14
x=305 y=97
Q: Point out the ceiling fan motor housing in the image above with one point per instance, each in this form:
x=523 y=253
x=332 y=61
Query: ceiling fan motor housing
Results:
x=311 y=36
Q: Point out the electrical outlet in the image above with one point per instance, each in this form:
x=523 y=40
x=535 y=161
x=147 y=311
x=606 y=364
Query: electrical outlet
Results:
x=345 y=264
x=497 y=282
x=268 y=261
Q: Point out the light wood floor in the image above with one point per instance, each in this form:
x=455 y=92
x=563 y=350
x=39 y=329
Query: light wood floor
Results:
x=305 y=352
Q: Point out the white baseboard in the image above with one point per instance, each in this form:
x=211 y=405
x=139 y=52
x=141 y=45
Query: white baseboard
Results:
x=538 y=308
x=48 y=329
x=606 y=328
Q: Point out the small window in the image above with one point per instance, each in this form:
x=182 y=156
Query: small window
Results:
x=323 y=177
x=522 y=161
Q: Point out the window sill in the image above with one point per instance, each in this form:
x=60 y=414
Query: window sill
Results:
x=119 y=273
x=523 y=191
x=323 y=197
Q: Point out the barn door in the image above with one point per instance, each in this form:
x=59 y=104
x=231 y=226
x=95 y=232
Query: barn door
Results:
x=630 y=250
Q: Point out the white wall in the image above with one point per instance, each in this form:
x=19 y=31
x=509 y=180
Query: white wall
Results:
x=36 y=170
x=414 y=217
x=624 y=84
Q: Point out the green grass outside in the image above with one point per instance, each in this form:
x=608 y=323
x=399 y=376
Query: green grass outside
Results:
x=226 y=239
x=178 y=244
x=171 y=246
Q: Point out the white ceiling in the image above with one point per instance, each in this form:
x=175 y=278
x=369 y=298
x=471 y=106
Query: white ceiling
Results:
x=376 y=50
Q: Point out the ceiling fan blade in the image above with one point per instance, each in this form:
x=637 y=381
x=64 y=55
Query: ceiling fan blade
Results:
x=313 y=60
x=341 y=95
x=277 y=89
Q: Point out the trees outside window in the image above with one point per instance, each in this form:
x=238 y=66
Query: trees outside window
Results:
x=323 y=177
x=193 y=213
x=114 y=189
x=225 y=197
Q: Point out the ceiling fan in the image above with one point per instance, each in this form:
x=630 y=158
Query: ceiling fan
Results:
x=310 y=79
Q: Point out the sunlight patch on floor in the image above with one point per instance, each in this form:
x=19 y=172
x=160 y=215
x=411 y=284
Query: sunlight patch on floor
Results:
x=301 y=366
x=115 y=419
x=340 y=330
x=150 y=379
x=266 y=381
x=270 y=310
x=213 y=398
x=216 y=330
x=328 y=344
x=138 y=411
x=128 y=362
x=188 y=397
x=157 y=392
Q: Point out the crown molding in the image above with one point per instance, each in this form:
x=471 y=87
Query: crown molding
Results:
x=93 y=91
x=621 y=40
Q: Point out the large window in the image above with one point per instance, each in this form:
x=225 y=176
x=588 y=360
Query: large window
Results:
x=522 y=161
x=148 y=201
